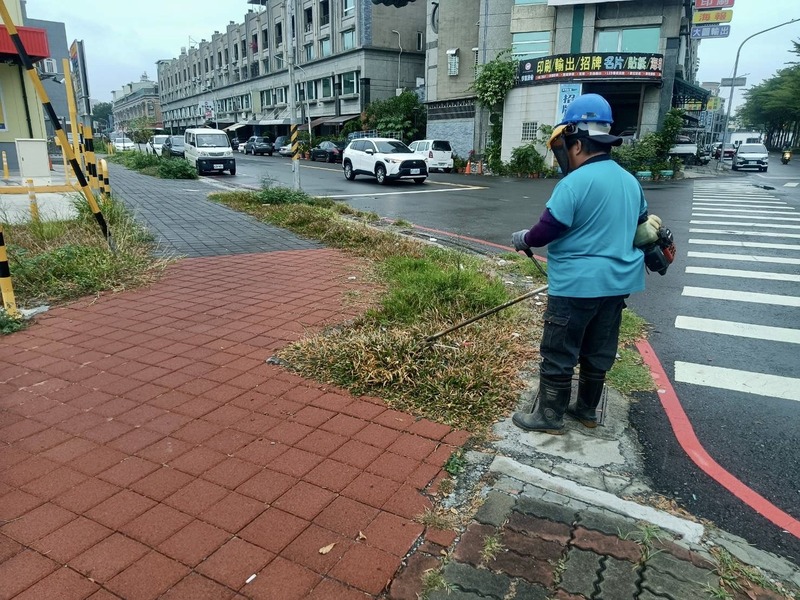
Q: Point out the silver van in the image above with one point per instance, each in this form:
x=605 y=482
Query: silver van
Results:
x=438 y=154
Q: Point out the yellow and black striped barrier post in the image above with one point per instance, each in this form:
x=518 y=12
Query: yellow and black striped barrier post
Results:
x=51 y=113
x=101 y=178
x=5 y=166
x=106 y=181
x=33 y=203
x=91 y=160
x=6 y=290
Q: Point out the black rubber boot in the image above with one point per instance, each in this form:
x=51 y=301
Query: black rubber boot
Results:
x=590 y=390
x=548 y=412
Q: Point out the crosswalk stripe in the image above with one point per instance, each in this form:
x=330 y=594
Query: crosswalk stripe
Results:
x=735 y=232
x=773 y=225
x=794 y=184
x=748 y=330
x=736 y=197
x=760 y=218
x=740 y=204
x=741 y=273
x=738 y=244
x=736 y=296
x=760 y=209
x=761 y=384
x=744 y=257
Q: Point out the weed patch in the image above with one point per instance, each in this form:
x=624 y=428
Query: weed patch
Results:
x=53 y=262
x=10 y=323
x=150 y=164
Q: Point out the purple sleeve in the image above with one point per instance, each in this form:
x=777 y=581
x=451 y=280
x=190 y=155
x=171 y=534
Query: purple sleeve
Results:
x=545 y=231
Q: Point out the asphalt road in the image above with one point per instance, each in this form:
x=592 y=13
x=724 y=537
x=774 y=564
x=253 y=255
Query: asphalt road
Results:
x=733 y=363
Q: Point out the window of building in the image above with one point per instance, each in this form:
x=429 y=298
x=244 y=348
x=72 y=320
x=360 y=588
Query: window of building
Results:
x=236 y=52
x=49 y=65
x=530 y=1
x=227 y=57
x=254 y=43
x=278 y=33
x=531 y=44
x=219 y=58
x=348 y=7
x=324 y=12
x=205 y=62
x=279 y=61
x=254 y=68
x=311 y=90
x=325 y=48
x=280 y=95
x=265 y=38
x=266 y=97
x=265 y=66
x=308 y=24
x=452 y=62
x=350 y=82
x=638 y=39
x=529 y=129
x=420 y=40
x=348 y=40
x=327 y=87
x=244 y=49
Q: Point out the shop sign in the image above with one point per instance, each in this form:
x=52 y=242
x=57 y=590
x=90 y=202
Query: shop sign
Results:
x=710 y=31
x=705 y=4
x=567 y=92
x=706 y=17
x=592 y=65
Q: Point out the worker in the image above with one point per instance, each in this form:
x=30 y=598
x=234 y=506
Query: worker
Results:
x=594 y=264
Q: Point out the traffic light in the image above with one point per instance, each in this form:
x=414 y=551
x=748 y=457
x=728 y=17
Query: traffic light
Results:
x=397 y=3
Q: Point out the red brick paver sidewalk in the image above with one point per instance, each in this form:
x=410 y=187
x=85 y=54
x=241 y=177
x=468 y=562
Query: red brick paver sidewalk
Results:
x=147 y=450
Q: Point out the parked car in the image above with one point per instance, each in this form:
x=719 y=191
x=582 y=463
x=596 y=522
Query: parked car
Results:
x=726 y=151
x=258 y=145
x=122 y=143
x=328 y=151
x=156 y=142
x=384 y=159
x=689 y=152
x=208 y=149
x=234 y=143
x=285 y=150
x=628 y=135
x=280 y=142
x=751 y=156
x=172 y=146
x=438 y=154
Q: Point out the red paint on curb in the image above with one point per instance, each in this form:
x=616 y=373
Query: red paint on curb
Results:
x=684 y=432
x=471 y=239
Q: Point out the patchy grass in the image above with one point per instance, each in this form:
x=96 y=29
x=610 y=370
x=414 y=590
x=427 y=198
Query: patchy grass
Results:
x=433 y=580
x=56 y=261
x=467 y=379
x=735 y=576
x=10 y=323
x=155 y=166
x=491 y=547
x=629 y=373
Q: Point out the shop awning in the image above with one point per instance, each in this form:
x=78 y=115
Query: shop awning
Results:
x=340 y=120
x=235 y=126
x=686 y=95
x=34 y=40
x=274 y=122
x=314 y=123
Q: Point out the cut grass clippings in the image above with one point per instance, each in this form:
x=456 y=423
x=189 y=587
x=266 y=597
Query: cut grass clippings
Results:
x=57 y=261
x=467 y=379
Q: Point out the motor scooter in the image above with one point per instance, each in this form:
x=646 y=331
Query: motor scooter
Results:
x=786 y=157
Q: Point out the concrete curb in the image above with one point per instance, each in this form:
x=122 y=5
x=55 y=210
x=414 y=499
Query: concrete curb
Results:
x=688 y=530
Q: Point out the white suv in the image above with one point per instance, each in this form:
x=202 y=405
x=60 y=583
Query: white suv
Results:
x=438 y=154
x=384 y=159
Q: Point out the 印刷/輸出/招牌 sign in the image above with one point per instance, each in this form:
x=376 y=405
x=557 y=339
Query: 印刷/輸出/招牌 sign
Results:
x=589 y=65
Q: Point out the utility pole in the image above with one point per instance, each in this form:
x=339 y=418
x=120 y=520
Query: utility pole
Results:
x=288 y=8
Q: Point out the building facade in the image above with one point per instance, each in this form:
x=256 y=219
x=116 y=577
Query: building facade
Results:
x=136 y=104
x=21 y=112
x=636 y=54
x=347 y=54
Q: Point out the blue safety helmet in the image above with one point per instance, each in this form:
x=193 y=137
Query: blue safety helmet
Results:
x=589 y=108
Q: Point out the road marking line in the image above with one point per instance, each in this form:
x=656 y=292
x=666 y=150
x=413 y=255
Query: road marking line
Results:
x=765 y=210
x=739 y=203
x=701 y=214
x=773 y=225
x=744 y=257
x=742 y=197
x=741 y=273
x=734 y=232
x=754 y=297
x=738 y=244
x=794 y=184
x=747 y=330
x=687 y=438
x=477 y=187
x=749 y=382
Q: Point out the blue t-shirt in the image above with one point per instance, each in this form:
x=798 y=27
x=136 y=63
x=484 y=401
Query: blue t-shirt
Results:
x=600 y=204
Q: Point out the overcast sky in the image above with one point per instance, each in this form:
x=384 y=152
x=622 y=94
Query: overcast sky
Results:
x=124 y=38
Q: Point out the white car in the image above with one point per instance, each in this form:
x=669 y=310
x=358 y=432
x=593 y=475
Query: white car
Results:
x=285 y=150
x=123 y=143
x=438 y=154
x=156 y=142
x=384 y=159
x=751 y=156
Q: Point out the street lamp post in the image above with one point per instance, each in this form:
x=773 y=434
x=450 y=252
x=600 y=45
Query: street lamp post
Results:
x=735 y=69
x=305 y=97
x=399 y=55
